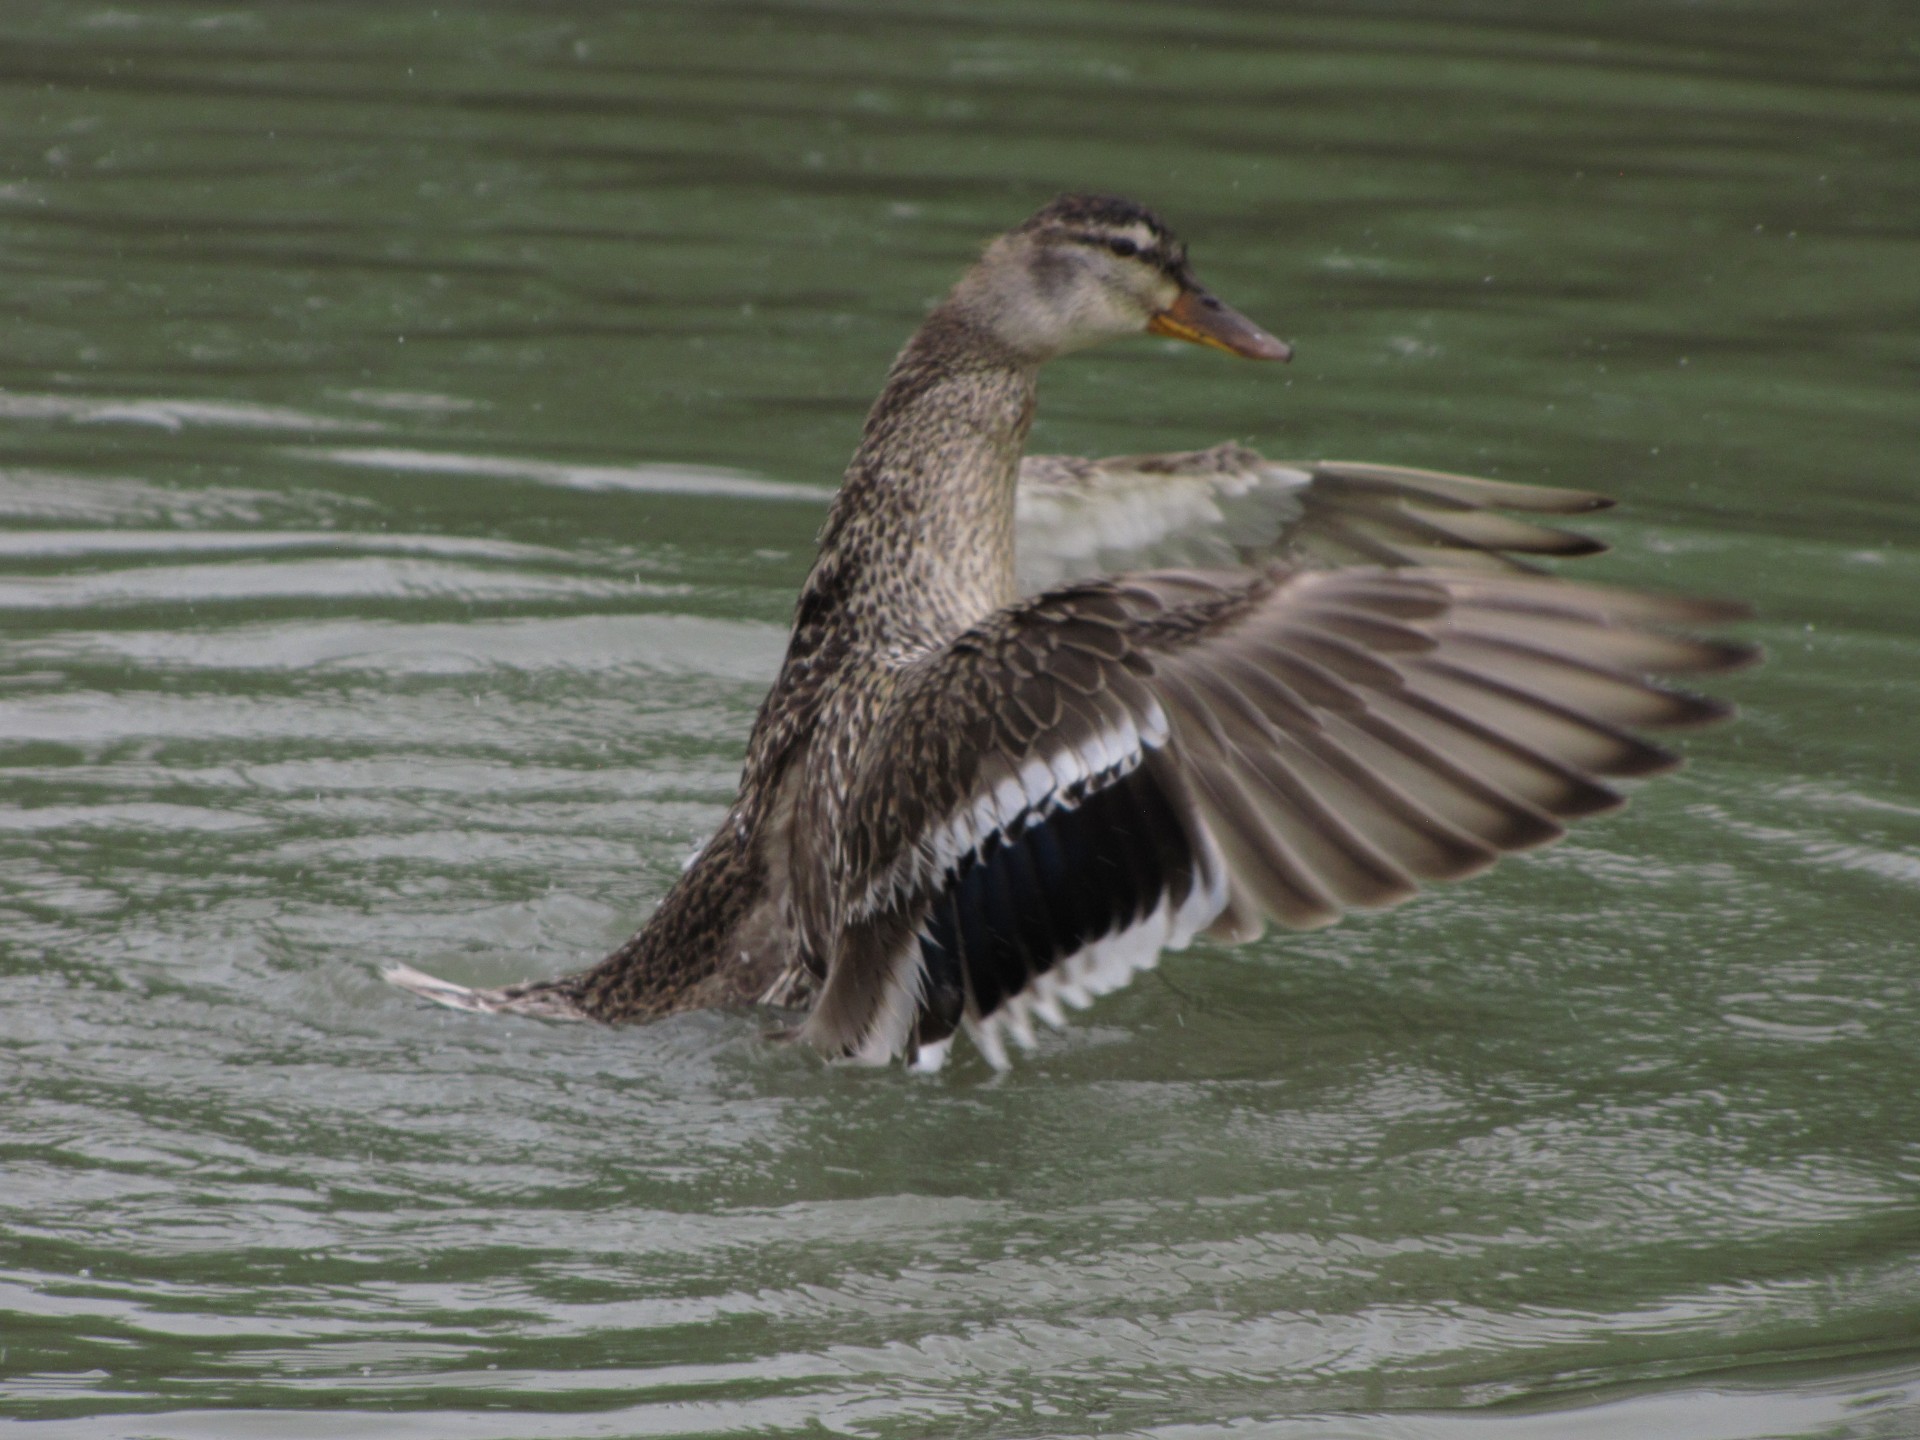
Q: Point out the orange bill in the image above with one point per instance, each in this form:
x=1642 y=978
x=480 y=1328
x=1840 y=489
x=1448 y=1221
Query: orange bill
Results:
x=1197 y=317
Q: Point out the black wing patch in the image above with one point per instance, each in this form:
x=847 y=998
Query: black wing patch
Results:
x=1090 y=867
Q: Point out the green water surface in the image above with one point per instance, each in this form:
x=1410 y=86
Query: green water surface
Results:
x=413 y=428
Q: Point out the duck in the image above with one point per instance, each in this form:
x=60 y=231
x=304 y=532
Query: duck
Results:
x=1001 y=772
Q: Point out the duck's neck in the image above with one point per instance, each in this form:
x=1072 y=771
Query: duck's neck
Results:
x=918 y=546
x=919 y=543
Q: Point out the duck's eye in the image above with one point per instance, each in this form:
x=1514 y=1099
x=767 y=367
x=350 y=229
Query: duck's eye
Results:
x=1122 y=247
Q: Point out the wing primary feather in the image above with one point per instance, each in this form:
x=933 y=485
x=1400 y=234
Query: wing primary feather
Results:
x=1569 y=793
x=1604 y=692
x=1431 y=845
x=1504 y=820
x=1284 y=705
x=1260 y=859
x=1316 y=684
x=1340 y=656
x=1378 y=634
x=1480 y=530
x=1468 y=491
x=1367 y=547
x=1608 y=749
x=1597 y=604
x=1260 y=864
x=1348 y=865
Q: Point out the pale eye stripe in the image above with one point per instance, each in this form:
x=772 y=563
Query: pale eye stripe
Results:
x=1150 y=247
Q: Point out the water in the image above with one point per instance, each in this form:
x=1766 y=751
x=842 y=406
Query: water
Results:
x=413 y=426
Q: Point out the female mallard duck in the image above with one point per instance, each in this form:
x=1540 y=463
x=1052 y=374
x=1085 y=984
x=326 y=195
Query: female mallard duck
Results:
x=961 y=808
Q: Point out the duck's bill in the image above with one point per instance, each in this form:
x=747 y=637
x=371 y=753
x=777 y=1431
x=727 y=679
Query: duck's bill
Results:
x=1199 y=318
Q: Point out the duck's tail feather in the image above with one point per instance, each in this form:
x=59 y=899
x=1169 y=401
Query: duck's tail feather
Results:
x=549 y=999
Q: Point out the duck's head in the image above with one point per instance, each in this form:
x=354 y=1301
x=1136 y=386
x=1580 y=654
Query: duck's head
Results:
x=1092 y=268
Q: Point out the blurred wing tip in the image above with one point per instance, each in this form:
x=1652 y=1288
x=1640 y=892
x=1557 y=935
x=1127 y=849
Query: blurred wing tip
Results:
x=1735 y=655
x=1700 y=711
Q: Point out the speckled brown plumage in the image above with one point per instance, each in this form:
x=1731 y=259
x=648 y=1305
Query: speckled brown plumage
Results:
x=902 y=567
x=960 y=808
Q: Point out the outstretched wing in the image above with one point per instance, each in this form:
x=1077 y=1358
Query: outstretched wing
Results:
x=1230 y=505
x=1104 y=771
